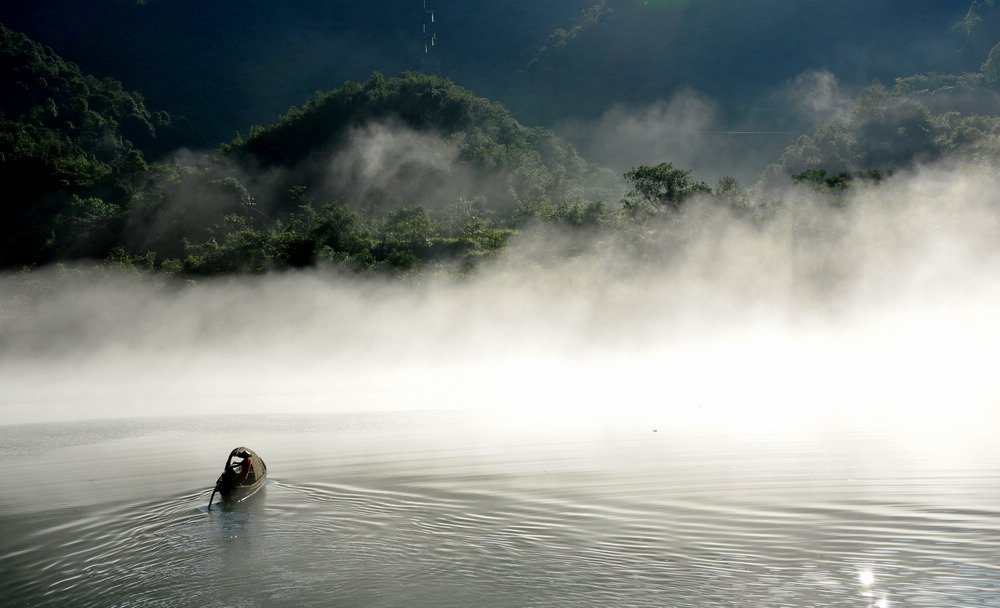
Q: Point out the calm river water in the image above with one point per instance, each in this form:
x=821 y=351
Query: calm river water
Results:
x=441 y=509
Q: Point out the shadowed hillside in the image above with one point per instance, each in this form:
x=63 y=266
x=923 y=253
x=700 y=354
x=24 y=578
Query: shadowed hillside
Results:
x=227 y=65
x=415 y=173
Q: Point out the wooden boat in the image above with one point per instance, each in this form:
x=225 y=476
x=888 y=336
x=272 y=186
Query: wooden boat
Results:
x=242 y=476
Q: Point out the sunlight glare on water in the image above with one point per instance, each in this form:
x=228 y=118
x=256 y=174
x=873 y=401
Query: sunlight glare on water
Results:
x=867 y=578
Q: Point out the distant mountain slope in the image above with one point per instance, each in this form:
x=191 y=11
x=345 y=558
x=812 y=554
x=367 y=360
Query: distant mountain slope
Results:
x=71 y=158
x=70 y=151
x=229 y=64
x=415 y=166
x=389 y=174
x=39 y=86
x=428 y=137
x=740 y=51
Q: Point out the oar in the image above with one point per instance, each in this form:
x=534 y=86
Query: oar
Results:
x=210 y=498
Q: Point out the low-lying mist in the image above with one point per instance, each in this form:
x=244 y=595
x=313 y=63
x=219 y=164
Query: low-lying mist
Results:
x=879 y=311
x=693 y=131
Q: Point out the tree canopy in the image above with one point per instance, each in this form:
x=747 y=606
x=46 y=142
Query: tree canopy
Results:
x=662 y=186
x=65 y=137
x=396 y=176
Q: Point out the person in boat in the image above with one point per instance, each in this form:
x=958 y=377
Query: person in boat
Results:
x=244 y=466
x=243 y=474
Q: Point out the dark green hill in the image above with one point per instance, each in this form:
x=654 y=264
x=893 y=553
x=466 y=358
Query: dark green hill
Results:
x=71 y=153
x=414 y=100
x=389 y=173
x=480 y=150
x=229 y=64
x=454 y=172
x=386 y=173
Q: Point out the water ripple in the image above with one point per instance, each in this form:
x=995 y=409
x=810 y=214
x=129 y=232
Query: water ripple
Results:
x=572 y=533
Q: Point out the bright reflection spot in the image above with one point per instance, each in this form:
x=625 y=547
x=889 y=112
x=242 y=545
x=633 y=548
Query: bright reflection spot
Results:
x=867 y=578
x=882 y=603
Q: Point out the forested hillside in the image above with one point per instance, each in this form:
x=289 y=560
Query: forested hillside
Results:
x=74 y=155
x=386 y=174
x=922 y=119
x=412 y=174
x=230 y=64
x=71 y=154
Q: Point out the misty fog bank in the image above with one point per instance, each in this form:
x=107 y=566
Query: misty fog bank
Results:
x=883 y=306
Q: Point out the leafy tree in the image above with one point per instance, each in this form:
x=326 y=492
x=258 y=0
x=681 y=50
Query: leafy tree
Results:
x=338 y=228
x=991 y=67
x=729 y=193
x=122 y=259
x=403 y=259
x=820 y=179
x=66 y=140
x=822 y=182
x=87 y=227
x=293 y=249
x=406 y=233
x=894 y=129
x=871 y=102
x=662 y=186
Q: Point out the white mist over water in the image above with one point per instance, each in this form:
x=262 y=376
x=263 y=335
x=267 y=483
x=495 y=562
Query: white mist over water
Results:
x=734 y=332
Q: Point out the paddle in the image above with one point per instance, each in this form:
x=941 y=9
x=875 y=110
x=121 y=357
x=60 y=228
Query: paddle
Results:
x=210 y=498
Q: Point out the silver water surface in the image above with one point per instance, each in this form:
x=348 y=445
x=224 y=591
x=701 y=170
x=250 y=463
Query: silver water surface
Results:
x=442 y=509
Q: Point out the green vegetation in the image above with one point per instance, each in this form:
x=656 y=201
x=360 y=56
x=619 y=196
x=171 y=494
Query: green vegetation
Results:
x=395 y=176
x=71 y=154
x=661 y=187
x=889 y=129
x=516 y=176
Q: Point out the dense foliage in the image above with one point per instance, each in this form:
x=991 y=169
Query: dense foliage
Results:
x=487 y=176
x=228 y=64
x=923 y=118
x=662 y=186
x=71 y=154
x=404 y=175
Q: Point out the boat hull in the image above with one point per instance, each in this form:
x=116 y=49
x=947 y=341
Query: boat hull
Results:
x=236 y=486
